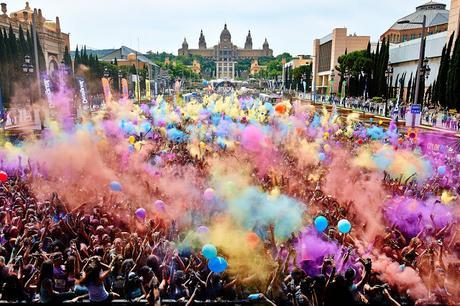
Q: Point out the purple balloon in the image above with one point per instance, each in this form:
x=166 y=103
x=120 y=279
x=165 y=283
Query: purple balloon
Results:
x=159 y=205
x=141 y=213
x=202 y=229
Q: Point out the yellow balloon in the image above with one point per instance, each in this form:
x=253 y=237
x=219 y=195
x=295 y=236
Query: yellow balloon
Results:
x=326 y=135
x=380 y=122
x=327 y=148
x=132 y=139
x=275 y=192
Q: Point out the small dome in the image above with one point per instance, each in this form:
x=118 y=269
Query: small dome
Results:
x=225 y=34
x=132 y=57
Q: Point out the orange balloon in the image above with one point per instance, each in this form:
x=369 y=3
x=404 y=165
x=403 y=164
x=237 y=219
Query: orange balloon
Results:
x=280 y=108
x=252 y=239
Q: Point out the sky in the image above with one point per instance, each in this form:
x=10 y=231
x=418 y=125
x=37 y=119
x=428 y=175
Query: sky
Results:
x=161 y=25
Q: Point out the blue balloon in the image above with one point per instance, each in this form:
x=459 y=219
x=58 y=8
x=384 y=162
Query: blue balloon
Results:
x=321 y=223
x=344 y=226
x=217 y=264
x=442 y=170
x=209 y=251
x=322 y=156
x=115 y=186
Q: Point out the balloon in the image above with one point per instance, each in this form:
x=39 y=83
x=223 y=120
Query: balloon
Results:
x=458 y=157
x=209 y=251
x=380 y=122
x=132 y=139
x=442 y=170
x=140 y=213
x=202 y=229
x=327 y=148
x=344 y=226
x=209 y=194
x=321 y=223
x=3 y=176
x=159 y=205
x=252 y=239
x=217 y=264
x=322 y=156
x=115 y=186
x=280 y=108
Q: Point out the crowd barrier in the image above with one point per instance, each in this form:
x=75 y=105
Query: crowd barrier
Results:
x=121 y=302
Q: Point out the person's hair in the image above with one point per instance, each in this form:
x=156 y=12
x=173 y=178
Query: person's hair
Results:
x=93 y=270
x=46 y=270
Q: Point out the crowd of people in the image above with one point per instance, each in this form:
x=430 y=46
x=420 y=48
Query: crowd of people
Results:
x=267 y=173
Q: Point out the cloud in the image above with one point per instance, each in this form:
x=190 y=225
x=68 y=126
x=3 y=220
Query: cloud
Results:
x=161 y=25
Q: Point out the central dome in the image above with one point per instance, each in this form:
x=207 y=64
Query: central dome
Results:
x=225 y=34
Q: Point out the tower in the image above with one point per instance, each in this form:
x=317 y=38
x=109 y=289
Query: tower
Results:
x=225 y=35
x=184 y=49
x=202 y=41
x=248 y=43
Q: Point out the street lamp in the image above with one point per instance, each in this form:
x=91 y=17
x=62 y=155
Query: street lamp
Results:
x=28 y=69
x=27 y=66
x=421 y=56
x=389 y=75
x=106 y=73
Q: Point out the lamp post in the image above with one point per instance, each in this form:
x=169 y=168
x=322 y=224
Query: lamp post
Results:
x=421 y=56
x=332 y=84
x=120 y=75
x=28 y=69
x=388 y=74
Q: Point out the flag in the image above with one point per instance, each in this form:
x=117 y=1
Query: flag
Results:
x=124 y=88
x=83 y=90
x=106 y=87
x=147 y=90
x=48 y=90
x=137 y=90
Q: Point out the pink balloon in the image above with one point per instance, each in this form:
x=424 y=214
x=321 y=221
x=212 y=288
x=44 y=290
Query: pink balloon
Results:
x=209 y=194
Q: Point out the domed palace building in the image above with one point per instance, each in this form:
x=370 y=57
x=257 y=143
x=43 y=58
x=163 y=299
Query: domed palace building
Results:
x=52 y=40
x=225 y=53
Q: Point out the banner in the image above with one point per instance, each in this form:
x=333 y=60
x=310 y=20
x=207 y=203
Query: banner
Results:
x=147 y=90
x=83 y=90
x=106 y=87
x=137 y=90
x=2 y=109
x=48 y=93
x=124 y=88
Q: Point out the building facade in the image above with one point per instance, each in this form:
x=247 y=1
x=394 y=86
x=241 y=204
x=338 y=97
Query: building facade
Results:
x=326 y=52
x=404 y=58
x=454 y=18
x=437 y=20
x=128 y=57
x=53 y=41
x=225 y=54
x=296 y=62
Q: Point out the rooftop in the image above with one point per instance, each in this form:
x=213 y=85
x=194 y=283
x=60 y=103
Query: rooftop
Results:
x=436 y=14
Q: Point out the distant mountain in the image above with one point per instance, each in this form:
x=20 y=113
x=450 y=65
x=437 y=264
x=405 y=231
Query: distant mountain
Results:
x=99 y=53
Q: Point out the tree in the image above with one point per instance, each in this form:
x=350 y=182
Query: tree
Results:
x=409 y=89
x=453 y=78
x=441 y=82
x=300 y=74
x=67 y=59
x=77 y=60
